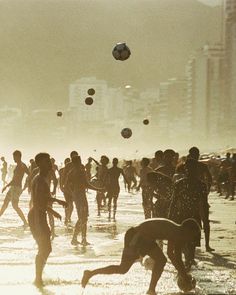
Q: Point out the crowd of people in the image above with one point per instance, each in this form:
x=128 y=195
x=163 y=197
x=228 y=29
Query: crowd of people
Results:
x=174 y=199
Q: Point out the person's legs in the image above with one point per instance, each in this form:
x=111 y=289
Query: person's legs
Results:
x=160 y=260
x=6 y=202
x=115 y=205
x=99 y=202
x=206 y=227
x=109 y=197
x=69 y=208
x=127 y=260
x=44 y=249
x=15 y=205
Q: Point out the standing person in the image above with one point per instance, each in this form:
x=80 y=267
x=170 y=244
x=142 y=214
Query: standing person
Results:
x=140 y=241
x=62 y=183
x=101 y=181
x=15 y=185
x=37 y=217
x=113 y=187
x=232 y=177
x=157 y=160
x=4 y=171
x=67 y=193
x=88 y=168
x=223 y=176
x=130 y=175
x=168 y=161
x=77 y=184
x=205 y=176
x=189 y=195
x=146 y=189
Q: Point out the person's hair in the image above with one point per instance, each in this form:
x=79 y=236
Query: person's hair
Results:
x=104 y=160
x=40 y=157
x=73 y=153
x=115 y=161
x=129 y=235
x=17 y=153
x=145 y=161
x=76 y=160
x=2 y=158
x=192 y=226
x=159 y=154
x=67 y=160
x=194 y=152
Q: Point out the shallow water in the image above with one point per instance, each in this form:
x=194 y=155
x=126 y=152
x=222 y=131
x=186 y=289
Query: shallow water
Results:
x=66 y=263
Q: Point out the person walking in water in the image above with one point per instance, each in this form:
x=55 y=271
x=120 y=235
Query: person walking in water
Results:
x=15 y=185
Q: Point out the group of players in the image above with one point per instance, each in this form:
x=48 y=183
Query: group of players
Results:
x=173 y=189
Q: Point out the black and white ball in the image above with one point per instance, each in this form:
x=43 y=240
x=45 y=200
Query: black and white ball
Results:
x=121 y=51
x=186 y=284
x=126 y=132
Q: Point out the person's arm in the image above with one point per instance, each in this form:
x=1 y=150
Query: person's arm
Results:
x=123 y=174
x=55 y=182
x=173 y=203
x=209 y=177
x=96 y=162
x=174 y=252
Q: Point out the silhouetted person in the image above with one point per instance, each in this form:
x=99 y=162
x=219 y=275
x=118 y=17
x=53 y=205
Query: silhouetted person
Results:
x=130 y=175
x=167 y=166
x=113 y=187
x=15 y=185
x=205 y=176
x=62 y=183
x=140 y=241
x=88 y=168
x=37 y=217
x=157 y=160
x=146 y=189
x=66 y=191
x=77 y=184
x=189 y=195
x=4 y=171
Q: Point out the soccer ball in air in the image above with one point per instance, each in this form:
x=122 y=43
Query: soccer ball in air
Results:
x=145 y=121
x=121 y=51
x=59 y=114
x=89 y=100
x=126 y=132
x=91 y=91
x=186 y=284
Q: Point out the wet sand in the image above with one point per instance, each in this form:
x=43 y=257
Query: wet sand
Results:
x=215 y=272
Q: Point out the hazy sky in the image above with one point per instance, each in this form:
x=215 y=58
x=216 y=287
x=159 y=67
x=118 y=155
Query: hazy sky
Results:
x=211 y=2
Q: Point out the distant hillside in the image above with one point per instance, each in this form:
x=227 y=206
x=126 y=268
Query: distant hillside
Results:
x=45 y=45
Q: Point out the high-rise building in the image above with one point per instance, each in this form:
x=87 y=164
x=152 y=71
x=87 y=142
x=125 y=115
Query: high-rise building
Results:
x=205 y=80
x=230 y=52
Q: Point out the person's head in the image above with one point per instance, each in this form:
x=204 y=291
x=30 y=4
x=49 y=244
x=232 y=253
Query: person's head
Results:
x=191 y=230
x=31 y=161
x=194 y=153
x=73 y=153
x=90 y=160
x=17 y=156
x=115 y=162
x=191 y=168
x=159 y=155
x=129 y=163
x=228 y=155
x=76 y=160
x=168 y=156
x=145 y=162
x=2 y=159
x=66 y=161
x=53 y=161
x=43 y=161
x=104 y=160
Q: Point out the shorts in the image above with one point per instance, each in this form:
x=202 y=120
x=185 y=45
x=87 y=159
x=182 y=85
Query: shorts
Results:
x=14 y=193
x=138 y=245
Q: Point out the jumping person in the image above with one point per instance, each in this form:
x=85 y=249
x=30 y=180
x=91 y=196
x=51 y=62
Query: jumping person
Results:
x=140 y=241
x=37 y=217
x=15 y=185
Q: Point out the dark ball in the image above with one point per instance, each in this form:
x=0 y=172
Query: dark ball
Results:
x=91 y=91
x=59 y=114
x=126 y=132
x=145 y=121
x=89 y=100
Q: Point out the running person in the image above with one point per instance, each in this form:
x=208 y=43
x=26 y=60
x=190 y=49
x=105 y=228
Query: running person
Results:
x=140 y=241
x=113 y=187
x=130 y=174
x=15 y=185
x=37 y=217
